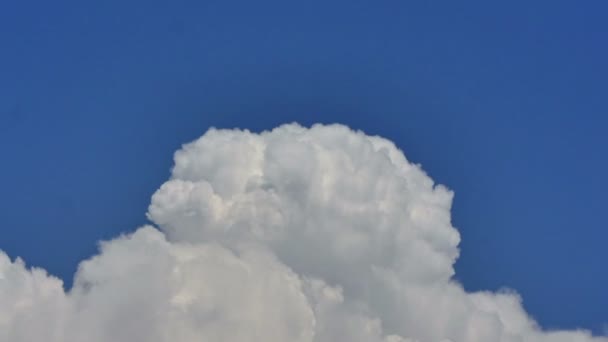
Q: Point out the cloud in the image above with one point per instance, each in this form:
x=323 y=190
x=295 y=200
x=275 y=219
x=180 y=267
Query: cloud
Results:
x=317 y=234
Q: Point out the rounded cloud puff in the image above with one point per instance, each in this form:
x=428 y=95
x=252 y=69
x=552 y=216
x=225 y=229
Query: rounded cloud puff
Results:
x=297 y=234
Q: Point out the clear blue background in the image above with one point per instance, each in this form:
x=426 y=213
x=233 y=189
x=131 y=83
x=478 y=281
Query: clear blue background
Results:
x=504 y=102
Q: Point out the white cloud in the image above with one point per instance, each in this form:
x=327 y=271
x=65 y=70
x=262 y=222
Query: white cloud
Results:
x=320 y=234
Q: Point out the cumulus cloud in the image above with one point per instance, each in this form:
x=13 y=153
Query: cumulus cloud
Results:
x=317 y=234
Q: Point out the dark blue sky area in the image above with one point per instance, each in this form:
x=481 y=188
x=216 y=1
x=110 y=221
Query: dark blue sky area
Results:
x=504 y=102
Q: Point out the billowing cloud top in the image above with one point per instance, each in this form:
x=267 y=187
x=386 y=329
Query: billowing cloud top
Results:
x=321 y=234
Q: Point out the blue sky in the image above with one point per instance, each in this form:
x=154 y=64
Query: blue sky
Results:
x=505 y=103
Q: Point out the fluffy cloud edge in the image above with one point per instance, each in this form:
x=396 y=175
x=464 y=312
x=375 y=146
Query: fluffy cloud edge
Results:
x=301 y=234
